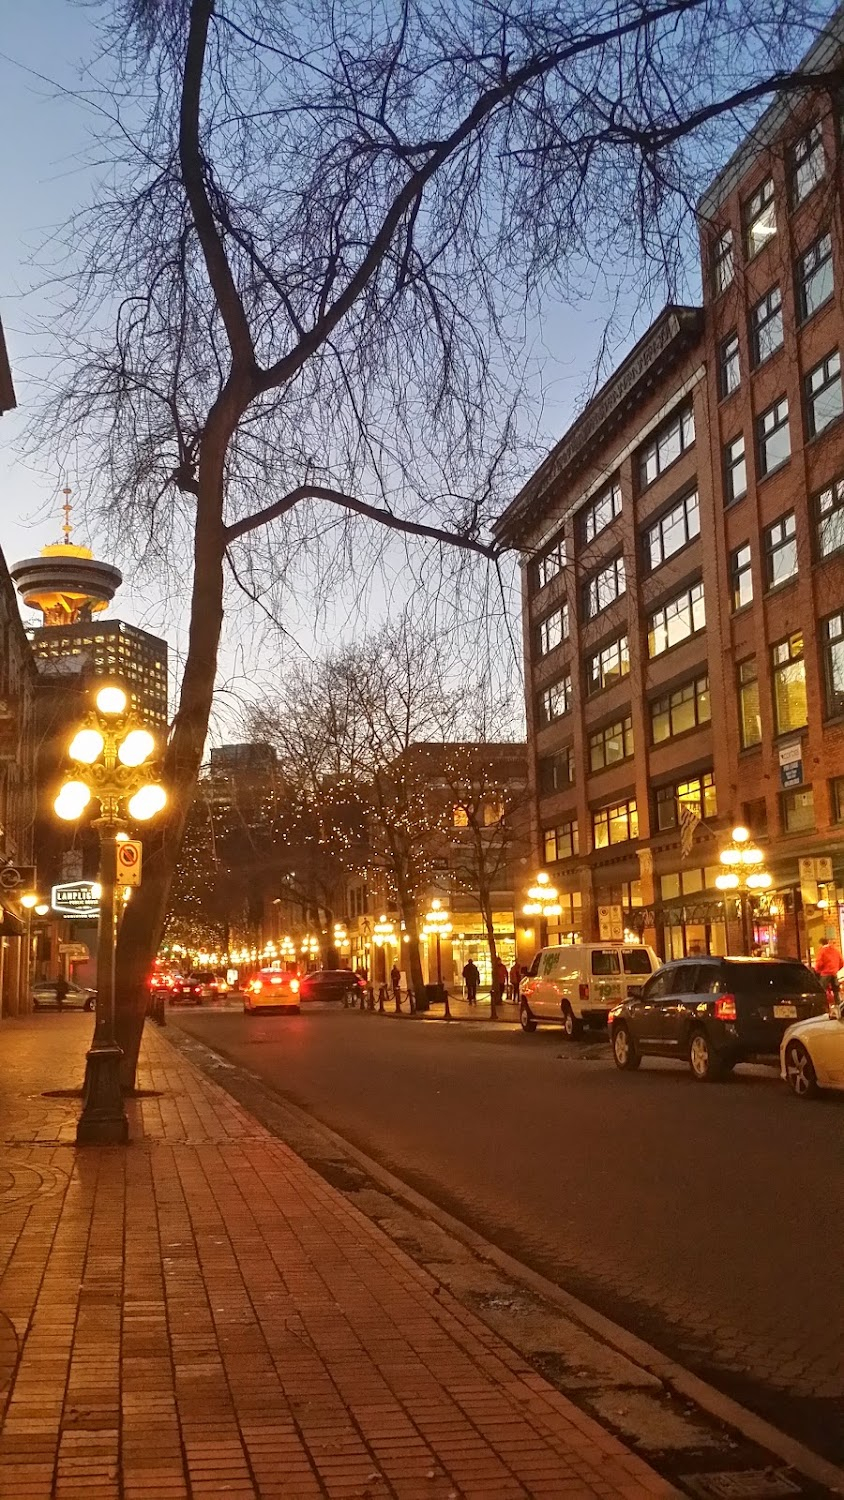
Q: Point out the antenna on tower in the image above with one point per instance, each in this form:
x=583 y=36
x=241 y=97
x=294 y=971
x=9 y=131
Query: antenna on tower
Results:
x=67 y=526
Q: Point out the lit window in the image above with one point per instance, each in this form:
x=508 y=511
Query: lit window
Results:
x=460 y=818
x=735 y=470
x=555 y=700
x=829 y=512
x=833 y=654
x=722 y=262
x=553 y=630
x=681 y=710
x=808 y=164
x=604 y=587
x=773 y=436
x=741 y=577
x=676 y=620
x=750 y=716
x=679 y=525
x=729 y=365
x=672 y=439
x=766 y=333
x=824 y=402
x=608 y=665
x=789 y=672
x=698 y=793
x=561 y=842
x=760 y=218
x=598 y=514
x=814 y=277
x=780 y=551
x=611 y=744
x=616 y=824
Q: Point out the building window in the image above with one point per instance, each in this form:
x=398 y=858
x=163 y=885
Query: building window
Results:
x=780 y=542
x=833 y=652
x=460 y=818
x=824 y=402
x=608 y=665
x=672 y=439
x=735 y=470
x=676 y=621
x=807 y=163
x=798 y=809
x=598 y=514
x=829 y=512
x=750 y=716
x=604 y=588
x=722 y=262
x=698 y=793
x=729 y=365
x=615 y=825
x=789 y=671
x=741 y=577
x=555 y=772
x=611 y=744
x=766 y=334
x=773 y=436
x=679 y=525
x=681 y=710
x=815 y=278
x=836 y=797
x=553 y=630
x=760 y=219
x=561 y=842
x=550 y=563
x=555 y=700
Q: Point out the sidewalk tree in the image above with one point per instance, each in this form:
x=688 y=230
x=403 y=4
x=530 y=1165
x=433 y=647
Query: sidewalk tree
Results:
x=302 y=285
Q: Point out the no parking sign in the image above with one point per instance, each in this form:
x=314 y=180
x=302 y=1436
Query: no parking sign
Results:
x=129 y=862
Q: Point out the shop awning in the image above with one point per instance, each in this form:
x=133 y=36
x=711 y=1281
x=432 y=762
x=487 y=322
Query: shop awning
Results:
x=10 y=924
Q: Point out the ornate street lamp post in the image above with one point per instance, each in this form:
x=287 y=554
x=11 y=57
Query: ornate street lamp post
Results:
x=543 y=902
x=438 y=926
x=110 y=752
x=30 y=902
x=745 y=875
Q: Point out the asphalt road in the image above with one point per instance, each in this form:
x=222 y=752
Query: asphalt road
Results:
x=709 y=1219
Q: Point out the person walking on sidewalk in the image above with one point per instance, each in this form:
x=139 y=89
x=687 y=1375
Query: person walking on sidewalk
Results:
x=395 y=981
x=515 y=981
x=471 y=979
x=62 y=988
x=828 y=964
x=499 y=981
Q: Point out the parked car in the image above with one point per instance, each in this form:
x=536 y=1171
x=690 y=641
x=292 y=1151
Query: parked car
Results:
x=77 y=997
x=330 y=984
x=715 y=1012
x=812 y=1054
x=579 y=985
x=272 y=989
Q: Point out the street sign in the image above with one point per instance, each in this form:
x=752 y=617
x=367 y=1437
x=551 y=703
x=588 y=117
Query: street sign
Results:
x=75 y=953
x=17 y=877
x=611 y=923
x=76 y=899
x=823 y=868
x=791 y=763
x=129 y=862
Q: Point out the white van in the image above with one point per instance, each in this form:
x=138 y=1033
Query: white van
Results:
x=578 y=986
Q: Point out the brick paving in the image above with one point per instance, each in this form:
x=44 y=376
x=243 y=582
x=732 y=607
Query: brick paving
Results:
x=199 y=1314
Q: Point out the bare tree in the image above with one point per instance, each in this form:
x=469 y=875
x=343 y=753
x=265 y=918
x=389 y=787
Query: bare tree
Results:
x=298 y=296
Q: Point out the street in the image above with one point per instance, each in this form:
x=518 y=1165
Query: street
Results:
x=706 y=1219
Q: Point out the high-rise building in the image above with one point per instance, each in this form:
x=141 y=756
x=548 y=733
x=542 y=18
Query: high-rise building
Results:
x=683 y=580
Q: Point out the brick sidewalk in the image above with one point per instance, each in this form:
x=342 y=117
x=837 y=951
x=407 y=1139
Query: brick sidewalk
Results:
x=199 y=1314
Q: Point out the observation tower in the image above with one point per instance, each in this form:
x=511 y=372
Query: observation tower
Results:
x=66 y=582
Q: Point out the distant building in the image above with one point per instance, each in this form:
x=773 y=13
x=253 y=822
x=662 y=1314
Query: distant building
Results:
x=8 y=400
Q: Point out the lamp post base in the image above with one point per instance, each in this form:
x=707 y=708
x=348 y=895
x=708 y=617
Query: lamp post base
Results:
x=103 y=1119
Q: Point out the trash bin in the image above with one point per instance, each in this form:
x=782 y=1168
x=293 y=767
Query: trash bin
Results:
x=427 y=997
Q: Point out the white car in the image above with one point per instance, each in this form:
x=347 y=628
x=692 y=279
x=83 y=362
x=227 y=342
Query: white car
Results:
x=812 y=1054
x=77 y=996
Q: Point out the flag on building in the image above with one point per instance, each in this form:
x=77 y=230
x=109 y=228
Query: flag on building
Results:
x=689 y=819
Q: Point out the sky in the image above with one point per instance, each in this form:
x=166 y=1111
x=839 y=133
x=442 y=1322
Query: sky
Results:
x=43 y=177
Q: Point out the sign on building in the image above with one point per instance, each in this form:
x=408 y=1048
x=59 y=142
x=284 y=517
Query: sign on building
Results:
x=611 y=924
x=791 y=763
x=17 y=877
x=76 y=899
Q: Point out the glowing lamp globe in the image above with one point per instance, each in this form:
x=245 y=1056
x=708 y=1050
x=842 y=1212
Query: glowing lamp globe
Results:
x=726 y=882
x=146 y=802
x=42 y=909
x=72 y=800
x=29 y=901
x=111 y=701
x=86 y=746
x=136 y=748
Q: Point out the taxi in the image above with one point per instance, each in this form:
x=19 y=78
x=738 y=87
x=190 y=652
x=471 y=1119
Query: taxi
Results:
x=271 y=989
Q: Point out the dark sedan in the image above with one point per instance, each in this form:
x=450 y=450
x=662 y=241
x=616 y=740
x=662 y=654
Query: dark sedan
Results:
x=330 y=984
x=715 y=1012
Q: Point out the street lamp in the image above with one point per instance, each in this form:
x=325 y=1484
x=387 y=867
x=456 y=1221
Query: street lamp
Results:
x=744 y=873
x=438 y=925
x=543 y=902
x=111 y=753
x=383 y=932
x=30 y=902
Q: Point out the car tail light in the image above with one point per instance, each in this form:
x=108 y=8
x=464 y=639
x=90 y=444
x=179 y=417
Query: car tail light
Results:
x=256 y=986
x=584 y=991
x=294 y=985
x=725 y=1008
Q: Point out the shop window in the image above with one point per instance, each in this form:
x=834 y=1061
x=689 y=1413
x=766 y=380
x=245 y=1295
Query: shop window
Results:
x=836 y=798
x=829 y=519
x=681 y=710
x=555 y=701
x=807 y=164
x=833 y=657
x=729 y=365
x=597 y=515
x=741 y=577
x=611 y=744
x=722 y=264
x=677 y=527
x=789 y=672
x=552 y=631
x=616 y=824
x=735 y=470
x=550 y=563
x=671 y=440
x=824 y=400
x=556 y=772
x=814 y=277
x=676 y=620
x=750 y=717
x=697 y=792
x=766 y=335
x=798 y=809
x=760 y=219
x=608 y=665
x=780 y=543
x=561 y=842
x=604 y=587
x=773 y=437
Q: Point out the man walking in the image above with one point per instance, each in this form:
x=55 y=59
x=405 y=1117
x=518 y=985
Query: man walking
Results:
x=828 y=964
x=471 y=979
x=515 y=981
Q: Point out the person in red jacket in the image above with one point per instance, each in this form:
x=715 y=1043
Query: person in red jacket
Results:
x=828 y=963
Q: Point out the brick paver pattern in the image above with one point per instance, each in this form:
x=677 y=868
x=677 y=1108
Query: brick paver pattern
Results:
x=199 y=1314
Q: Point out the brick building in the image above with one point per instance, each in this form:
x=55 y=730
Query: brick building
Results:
x=683 y=579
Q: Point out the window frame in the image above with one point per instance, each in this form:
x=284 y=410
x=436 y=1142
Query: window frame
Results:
x=572 y=837
x=763 y=315
x=802 y=279
x=812 y=139
x=751 y=216
x=763 y=438
x=741 y=570
x=785 y=524
x=778 y=671
x=730 y=466
x=681 y=419
x=831 y=645
x=598 y=685
x=835 y=489
x=745 y=681
x=729 y=365
x=561 y=612
x=591 y=587
x=836 y=798
x=604 y=814
x=549 y=787
x=705 y=782
x=545 y=716
x=721 y=255
x=810 y=397
x=556 y=549
x=621 y=729
x=697 y=694
x=589 y=530
x=786 y=796
x=688 y=594
x=655 y=530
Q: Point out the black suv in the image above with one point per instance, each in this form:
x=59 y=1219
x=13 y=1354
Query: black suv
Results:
x=714 y=1012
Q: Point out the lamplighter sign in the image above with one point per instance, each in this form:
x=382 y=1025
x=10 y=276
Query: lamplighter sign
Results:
x=76 y=899
x=129 y=862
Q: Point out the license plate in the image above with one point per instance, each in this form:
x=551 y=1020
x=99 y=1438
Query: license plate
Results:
x=785 y=1012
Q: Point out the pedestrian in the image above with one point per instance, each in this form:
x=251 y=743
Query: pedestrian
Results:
x=62 y=988
x=515 y=981
x=499 y=980
x=471 y=979
x=395 y=981
x=828 y=964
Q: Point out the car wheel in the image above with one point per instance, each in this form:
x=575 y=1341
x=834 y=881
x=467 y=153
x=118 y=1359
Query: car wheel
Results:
x=705 y=1064
x=626 y=1054
x=247 y=1009
x=526 y=1020
x=800 y=1072
x=89 y=1004
x=571 y=1026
